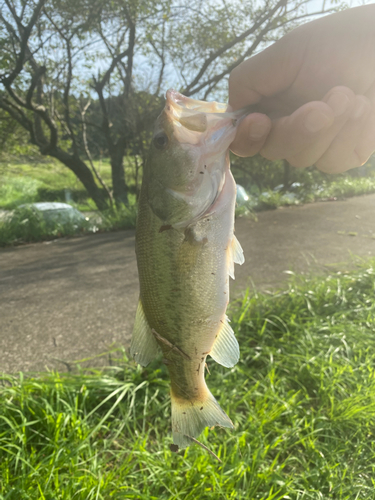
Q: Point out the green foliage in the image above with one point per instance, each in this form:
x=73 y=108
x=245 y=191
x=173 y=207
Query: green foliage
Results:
x=27 y=225
x=17 y=190
x=301 y=398
x=257 y=174
x=76 y=195
x=346 y=187
x=269 y=187
x=122 y=217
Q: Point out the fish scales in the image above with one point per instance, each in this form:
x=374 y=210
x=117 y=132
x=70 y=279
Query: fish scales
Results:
x=185 y=249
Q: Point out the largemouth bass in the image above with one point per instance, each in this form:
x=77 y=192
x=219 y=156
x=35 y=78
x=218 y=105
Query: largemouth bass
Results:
x=186 y=250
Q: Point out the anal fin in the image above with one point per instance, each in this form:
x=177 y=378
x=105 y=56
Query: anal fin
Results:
x=238 y=256
x=144 y=347
x=225 y=350
x=235 y=256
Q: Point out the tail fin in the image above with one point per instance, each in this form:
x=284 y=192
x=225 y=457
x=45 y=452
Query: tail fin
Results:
x=189 y=418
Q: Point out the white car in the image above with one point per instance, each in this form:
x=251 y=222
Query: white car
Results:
x=58 y=212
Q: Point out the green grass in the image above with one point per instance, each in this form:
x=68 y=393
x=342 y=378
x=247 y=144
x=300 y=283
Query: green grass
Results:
x=27 y=225
x=51 y=173
x=338 y=188
x=17 y=190
x=302 y=399
x=32 y=182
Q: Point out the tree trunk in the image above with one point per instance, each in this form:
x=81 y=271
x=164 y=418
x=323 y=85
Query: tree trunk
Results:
x=84 y=174
x=286 y=182
x=120 y=189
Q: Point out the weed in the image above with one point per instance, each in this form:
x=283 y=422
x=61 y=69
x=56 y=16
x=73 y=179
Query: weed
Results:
x=301 y=398
x=27 y=225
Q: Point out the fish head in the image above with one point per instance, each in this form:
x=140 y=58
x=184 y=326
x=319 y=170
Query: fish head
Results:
x=188 y=159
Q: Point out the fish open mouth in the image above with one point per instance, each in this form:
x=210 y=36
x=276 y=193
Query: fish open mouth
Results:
x=192 y=114
x=178 y=100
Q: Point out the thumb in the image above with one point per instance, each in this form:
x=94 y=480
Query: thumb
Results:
x=266 y=73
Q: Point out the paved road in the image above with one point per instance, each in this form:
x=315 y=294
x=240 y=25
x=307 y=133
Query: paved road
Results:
x=75 y=299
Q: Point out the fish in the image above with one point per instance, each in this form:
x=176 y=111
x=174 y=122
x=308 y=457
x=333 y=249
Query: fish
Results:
x=186 y=250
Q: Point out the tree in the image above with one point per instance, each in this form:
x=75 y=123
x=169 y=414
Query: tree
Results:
x=72 y=70
x=29 y=95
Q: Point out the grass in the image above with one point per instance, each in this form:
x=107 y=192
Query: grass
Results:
x=302 y=399
x=47 y=181
x=27 y=225
x=338 y=188
x=51 y=173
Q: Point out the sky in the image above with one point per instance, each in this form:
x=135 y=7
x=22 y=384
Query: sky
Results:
x=317 y=4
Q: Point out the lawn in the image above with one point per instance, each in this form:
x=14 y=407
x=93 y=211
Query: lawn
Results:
x=302 y=399
x=51 y=181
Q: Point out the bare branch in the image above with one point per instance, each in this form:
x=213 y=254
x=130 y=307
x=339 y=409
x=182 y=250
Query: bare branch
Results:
x=214 y=55
x=67 y=85
x=101 y=83
x=34 y=82
x=213 y=81
x=105 y=122
x=131 y=44
x=17 y=114
x=88 y=154
x=161 y=56
x=25 y=33
x=41 y=111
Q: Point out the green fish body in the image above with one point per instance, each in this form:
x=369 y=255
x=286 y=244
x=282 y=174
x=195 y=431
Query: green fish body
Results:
x=186 y=250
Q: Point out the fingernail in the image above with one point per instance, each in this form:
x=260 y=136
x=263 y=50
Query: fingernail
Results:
x=359 y=110
x=316 y=120
x=339 y=102
x=258 y=130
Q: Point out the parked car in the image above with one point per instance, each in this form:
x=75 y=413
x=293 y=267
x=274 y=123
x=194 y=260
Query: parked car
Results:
x=58 y=212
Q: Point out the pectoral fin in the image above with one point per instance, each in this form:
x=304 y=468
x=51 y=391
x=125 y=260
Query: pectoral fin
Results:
x=235 y=256
x=144 y=347
x=225 y=350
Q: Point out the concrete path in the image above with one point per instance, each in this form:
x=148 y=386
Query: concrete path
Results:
x=75 y=299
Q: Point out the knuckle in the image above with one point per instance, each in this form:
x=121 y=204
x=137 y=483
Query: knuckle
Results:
x=344 y=90
x=300 y=161
x=329 y=167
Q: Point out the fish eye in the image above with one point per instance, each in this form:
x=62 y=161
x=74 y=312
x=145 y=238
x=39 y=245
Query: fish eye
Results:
x=161 y=140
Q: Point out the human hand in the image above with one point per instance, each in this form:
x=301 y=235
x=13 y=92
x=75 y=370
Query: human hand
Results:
x=314 y=93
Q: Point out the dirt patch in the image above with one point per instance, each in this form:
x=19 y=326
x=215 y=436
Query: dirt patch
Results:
x=75 y=299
